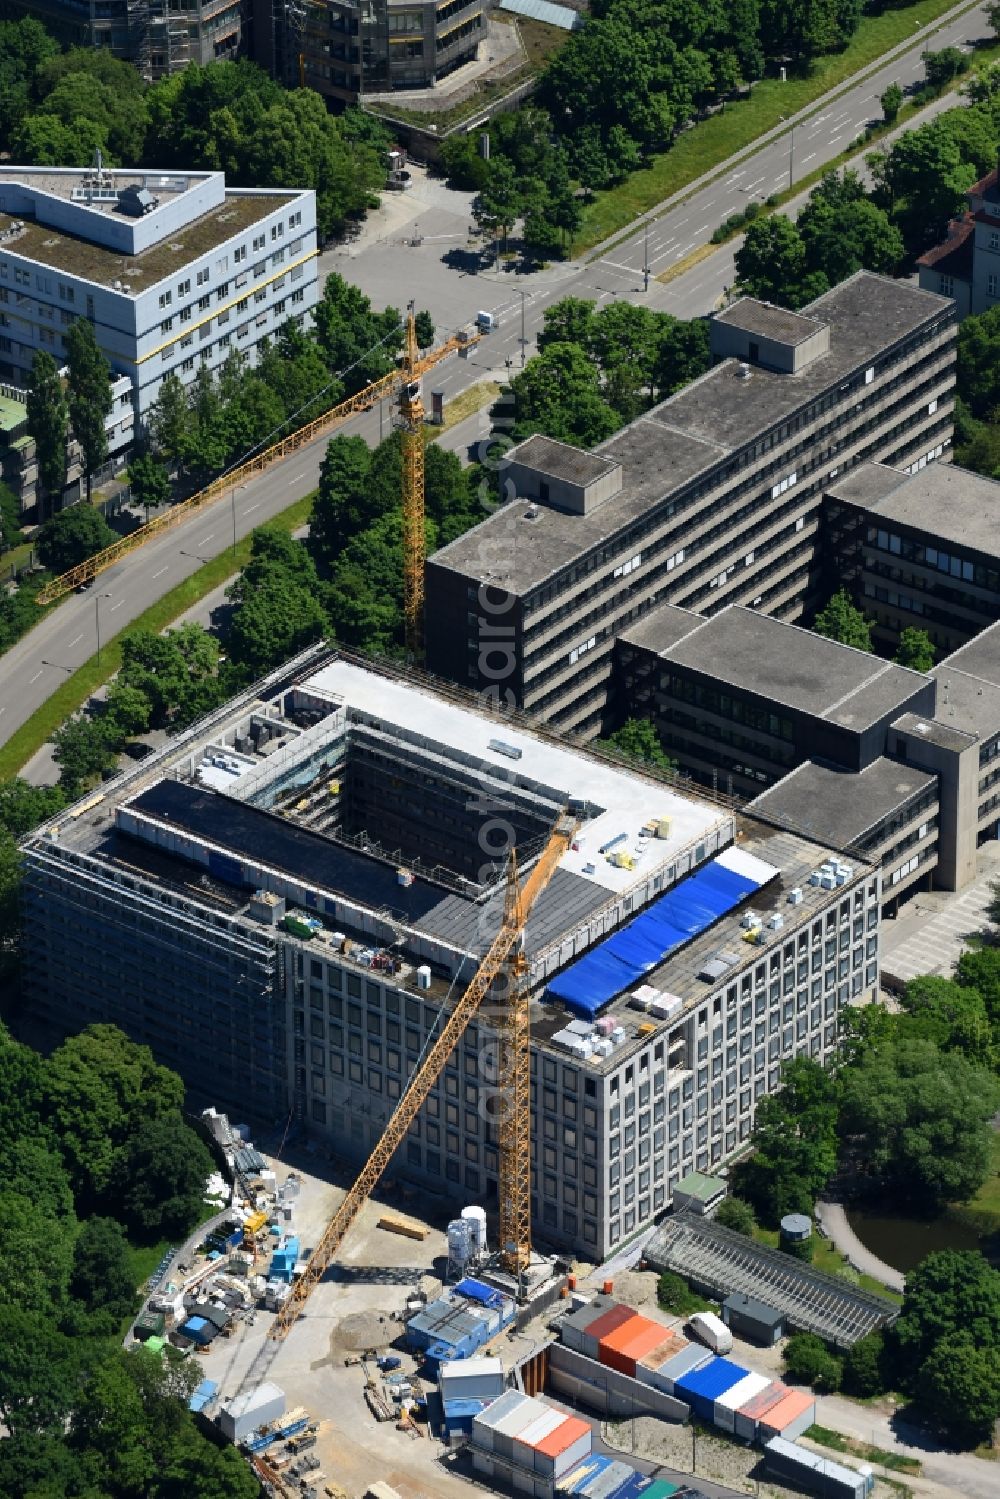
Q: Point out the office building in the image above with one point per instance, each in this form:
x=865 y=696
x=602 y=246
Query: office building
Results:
x=159 y=36
x=918 y=551
x=284 y=900
x=173 y=270
x=714 y=497
x=966 y=264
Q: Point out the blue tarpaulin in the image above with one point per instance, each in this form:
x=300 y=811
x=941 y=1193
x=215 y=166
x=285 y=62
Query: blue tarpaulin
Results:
x=476 y=1291
x=635 y=949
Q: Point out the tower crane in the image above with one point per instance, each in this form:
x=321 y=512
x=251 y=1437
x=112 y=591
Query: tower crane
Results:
x=506 y=951
x=406 y=375
x=411 y=417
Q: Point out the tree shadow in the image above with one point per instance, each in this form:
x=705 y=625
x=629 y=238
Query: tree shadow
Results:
x=468 y=262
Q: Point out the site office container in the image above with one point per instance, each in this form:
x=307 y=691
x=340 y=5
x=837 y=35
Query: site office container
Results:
x=573 y=1326
x=656 y=1357
x=620 y=1349
x=650 y=1372
x=749 y=1414
x=513 y=1423
x=789 y=1418
x=603 y=1326
x=702 y=1387
x=526 y=1439
x=484 y=1424
x=574 y=1481
x=606 y=1483
x=818 y=1475
x=471 y=1379
x=563 y=1447
x=692 y=1356
x=729 y=1403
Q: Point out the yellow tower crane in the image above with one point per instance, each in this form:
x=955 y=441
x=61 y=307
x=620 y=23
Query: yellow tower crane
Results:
x=411 y=418
x=515 y=1144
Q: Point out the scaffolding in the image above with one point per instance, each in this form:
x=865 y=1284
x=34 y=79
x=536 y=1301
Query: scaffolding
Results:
x=719 y=1262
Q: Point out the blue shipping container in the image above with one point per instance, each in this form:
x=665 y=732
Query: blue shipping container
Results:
x=702 y=1387
x=591 y=1467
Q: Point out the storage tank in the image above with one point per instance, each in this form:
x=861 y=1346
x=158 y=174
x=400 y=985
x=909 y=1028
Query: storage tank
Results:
x=475 y=1217
x=459 y=1245
x=796 y=1233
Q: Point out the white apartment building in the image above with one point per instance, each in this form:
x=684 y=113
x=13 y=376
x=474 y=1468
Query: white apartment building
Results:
x=173 y=270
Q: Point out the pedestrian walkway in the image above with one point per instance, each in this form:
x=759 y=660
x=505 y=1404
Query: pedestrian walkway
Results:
x=833 y=1221
x=934 y=928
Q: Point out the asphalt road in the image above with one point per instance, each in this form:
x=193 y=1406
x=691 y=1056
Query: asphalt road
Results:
x=443 y=274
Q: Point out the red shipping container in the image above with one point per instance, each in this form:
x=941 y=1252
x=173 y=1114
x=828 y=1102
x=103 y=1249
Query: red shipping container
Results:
x=620 y=1349
x=601 y=1326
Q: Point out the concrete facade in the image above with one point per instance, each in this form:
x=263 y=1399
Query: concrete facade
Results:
x=345 y=48
x=159 y=36
x=206 y=271
x=144 y=908
x=720 y=500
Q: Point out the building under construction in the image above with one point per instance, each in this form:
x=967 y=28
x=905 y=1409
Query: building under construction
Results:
x=286 y=900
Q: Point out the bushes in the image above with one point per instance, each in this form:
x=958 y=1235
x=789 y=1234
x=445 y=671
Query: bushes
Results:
x=675 y=1295
x=809 y=1361
x=737 y=1215
x=738 y=221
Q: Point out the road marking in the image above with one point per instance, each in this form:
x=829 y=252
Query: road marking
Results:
x=116 y=606
x=628 y=270
x=160 y=573
x=808 y=158
x=298 y=476
x=701 y=229
x=211 y=534
x=35 y=677
x=254 y=506
x=834 y=138
x=76 y=641
x=754 y=184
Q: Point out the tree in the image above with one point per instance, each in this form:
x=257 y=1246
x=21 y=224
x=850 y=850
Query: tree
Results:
x=771 y=264
x=922 y=181
x=175 y=673
x=149 y=481
x=735 y=1214
x=637 y=738
x=950 y=1293
x=978 y=362
x=941 y=67
x=11 y=534
x=951 y=1015
x=128 y=711
x=498 y=205
x=959 y=1388
x=90 y=399
x=840 y=620
x=101 y=1275
x=342 y=506
x=865 y=1364
x=168 y=421
x=23 y=806
x=424 y=329
x=277 y=610
x=915 y=650
x=72 y=536
x=161 y=1176
x=992 y=12
x=48 y=423
x=979 y=969
x=891 y=101
x=40 y=1374
x=675 y=1295
x=794 y=1143
x=843 y=231
x=10 y=895
x=558 y=393
x=35 y=1255
x=358 y=344
x=809 y=1361
x=682 y=353
x=84 y=748
x=918 y=1121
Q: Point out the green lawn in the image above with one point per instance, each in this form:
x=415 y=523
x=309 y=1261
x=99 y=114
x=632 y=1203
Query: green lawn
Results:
x=74 y=692
x=895 y=1461
x=983 y=1210
x=826 y=1257
x=714 y=140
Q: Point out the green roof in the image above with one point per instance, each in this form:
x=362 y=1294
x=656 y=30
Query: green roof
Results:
x=697 y=1184
x=13 y=414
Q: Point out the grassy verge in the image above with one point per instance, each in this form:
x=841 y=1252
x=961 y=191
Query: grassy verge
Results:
x=982 y=1212
x=894 y=1461
x=74 y=692
x=714 y=140
x=466 y=403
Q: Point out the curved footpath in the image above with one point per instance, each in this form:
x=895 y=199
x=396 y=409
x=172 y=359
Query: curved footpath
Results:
x=833 y=1220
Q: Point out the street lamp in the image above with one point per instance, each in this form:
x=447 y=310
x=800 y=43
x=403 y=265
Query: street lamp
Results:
x=645 y=260
x=97 y=620
x=522 y=295
x=233 y=496
x=791 y=155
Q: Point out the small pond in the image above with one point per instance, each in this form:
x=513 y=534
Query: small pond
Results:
x=904 y=1242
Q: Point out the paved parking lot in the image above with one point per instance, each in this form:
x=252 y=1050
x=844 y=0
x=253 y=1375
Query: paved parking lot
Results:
x=932 y=930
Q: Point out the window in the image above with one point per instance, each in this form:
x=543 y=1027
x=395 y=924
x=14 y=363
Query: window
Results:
x=183 y=287
x=166 y=325
x=222 y=292
x=204 y=303
x=946 y=286
x=203 y=275
x=239 y=254
x=260 y=240
x=166 y=297
x=185 y=314
x=995 y=239
x=992 y=286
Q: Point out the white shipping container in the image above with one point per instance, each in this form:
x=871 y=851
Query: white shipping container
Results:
x=524 y=1442
x=471 y=1379
x=244 y=1413
x=484 y=1424
x=727 y=1405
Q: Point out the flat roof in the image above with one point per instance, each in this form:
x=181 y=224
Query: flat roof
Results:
x=769 y=321
x=70 y=182
x=795 y=668
x=699 y=1184
x=691 y=432
x=560 y=459
x=93 y=262
x=840 y=806
x=934 y=732
x=662 y=628
x=950 y=504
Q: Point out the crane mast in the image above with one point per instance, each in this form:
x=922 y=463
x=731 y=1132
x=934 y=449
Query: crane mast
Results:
x=514 y=1124
x=411 y=415
x=515 y=1154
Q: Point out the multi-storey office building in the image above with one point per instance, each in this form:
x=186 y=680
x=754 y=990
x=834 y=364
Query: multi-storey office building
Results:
x=172 y=270
x=347 y=48
x=742 y=698
x=712 y=498
x=158 y=36
x=285 y=900
x=918 y=550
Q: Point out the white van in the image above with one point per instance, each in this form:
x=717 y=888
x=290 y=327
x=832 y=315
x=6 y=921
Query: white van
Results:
x=712 y=1331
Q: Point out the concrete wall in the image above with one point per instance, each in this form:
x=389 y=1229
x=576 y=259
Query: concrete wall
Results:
x=576 y=1377
x=957 y=768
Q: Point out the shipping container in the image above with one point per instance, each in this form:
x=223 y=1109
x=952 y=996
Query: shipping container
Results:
x=816 y=1474
x=702 y=1387
x=789 y=1418
x=527 y=1439
x=669 y=1345
x=748 y=1415
x=692 y=1356
x=244 y=1413
x=602 y=1326
x=513 y=1423
x=752 y=1319
x=471 y=1379
x=735 y=1398
x=573 y=1326
x=482 y=1431
x=574 y=1481
x=605 y=1484
x=564 y=1447
x=623 y=1345
x=661 y=1489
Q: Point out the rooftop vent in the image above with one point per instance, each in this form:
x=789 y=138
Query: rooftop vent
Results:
x=743 y=373
x=500 y=748
x=136 y=201
x=531 y=513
